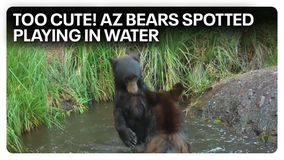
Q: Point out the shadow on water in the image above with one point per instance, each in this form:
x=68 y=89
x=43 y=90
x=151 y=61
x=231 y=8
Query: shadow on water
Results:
x=94 y=132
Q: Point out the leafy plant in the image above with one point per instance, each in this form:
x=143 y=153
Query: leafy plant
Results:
x=217 y=121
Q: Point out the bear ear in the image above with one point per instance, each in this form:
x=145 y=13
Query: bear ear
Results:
x=113 y=62
x=151 y=97
x=177 y=90
x=135 y=56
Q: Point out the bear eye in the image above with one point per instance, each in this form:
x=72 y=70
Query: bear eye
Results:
x=135 y=77
x=130 y=78
x=126 y=79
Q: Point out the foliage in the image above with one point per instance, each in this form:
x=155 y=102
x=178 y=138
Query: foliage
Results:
x=217 y=121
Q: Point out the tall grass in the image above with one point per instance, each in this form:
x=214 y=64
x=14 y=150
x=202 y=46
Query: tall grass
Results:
x=27 y=93
x=45 y=80
x=199 y=57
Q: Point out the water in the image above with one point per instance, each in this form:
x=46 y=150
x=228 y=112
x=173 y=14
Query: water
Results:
x=94 y=132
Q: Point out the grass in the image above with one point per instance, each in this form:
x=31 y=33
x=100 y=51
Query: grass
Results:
x=27 y=94
x=46 y=82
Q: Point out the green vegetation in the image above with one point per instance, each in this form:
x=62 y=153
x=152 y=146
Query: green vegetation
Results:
x=28 y=85
x=45 y=80
x=263 y=135
x=218 y=121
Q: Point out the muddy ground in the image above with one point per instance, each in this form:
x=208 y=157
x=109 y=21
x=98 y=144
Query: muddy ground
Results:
x=246 y=103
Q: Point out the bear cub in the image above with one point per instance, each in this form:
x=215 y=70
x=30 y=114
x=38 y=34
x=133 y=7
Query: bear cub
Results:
x=130 y=118
x=167 y=132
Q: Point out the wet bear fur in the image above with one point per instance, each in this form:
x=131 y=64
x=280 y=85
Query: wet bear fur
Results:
x=130 y=118
x=167 y=133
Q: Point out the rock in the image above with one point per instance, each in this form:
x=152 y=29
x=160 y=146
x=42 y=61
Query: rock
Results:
x=250 y=108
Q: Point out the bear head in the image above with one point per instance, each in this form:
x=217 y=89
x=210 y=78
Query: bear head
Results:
x=165 y=108
x=127 y=71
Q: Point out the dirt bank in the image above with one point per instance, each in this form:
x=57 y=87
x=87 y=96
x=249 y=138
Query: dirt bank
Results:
x=247 y=103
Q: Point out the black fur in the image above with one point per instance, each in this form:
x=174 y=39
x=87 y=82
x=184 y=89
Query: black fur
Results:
x=130 y=118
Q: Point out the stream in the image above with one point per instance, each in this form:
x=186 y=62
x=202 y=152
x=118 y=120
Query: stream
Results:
x=94 y=132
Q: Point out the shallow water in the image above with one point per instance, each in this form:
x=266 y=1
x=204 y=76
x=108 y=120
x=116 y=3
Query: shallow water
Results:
x=94 y=132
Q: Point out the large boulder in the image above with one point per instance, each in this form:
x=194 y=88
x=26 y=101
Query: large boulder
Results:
x=247 y=103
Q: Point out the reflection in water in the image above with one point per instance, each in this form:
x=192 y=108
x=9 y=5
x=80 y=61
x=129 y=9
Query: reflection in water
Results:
x=94 y=132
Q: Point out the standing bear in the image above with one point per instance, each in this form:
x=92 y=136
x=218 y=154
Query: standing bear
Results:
x=167 y=132
x=130 y=118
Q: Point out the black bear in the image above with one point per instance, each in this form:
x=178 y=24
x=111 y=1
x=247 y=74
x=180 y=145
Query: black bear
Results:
x=130 y=103
x=167 y=132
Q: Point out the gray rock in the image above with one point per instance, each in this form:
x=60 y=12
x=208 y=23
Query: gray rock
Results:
x=250 y=108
